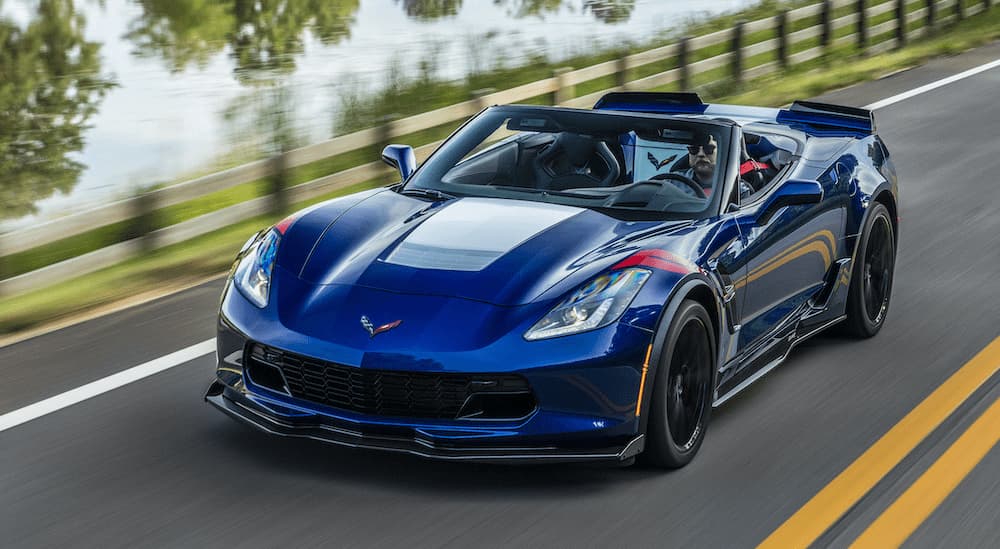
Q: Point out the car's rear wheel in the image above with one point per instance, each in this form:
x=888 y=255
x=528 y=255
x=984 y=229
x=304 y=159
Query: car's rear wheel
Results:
x=871 y=278
x=681 y=402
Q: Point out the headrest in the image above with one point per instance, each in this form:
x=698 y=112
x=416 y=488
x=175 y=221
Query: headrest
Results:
x=579 y=149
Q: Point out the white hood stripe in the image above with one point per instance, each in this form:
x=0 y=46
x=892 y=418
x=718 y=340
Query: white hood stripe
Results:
x=470 y=233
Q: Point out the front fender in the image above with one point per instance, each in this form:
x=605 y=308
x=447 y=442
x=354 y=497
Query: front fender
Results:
x=694 y=286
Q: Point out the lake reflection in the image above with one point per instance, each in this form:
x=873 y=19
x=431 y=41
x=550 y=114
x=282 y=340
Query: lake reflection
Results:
x=263 y=37
x=51 y=85
x=182 y=67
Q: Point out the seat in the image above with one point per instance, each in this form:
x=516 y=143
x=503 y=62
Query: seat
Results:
x=571 y=161
x=754 y=173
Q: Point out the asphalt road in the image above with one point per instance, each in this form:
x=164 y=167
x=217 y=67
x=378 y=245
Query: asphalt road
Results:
x=151 y=464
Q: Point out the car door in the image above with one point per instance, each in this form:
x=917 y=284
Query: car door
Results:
x=788 y=251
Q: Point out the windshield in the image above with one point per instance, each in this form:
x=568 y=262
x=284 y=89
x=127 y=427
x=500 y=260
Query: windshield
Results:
x=655 y=166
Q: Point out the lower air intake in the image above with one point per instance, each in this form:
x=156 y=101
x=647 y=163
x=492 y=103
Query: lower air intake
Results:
x=392 y=392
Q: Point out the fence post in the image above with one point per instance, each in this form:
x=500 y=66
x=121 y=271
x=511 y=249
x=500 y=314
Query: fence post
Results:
x=479 y=96
x=825 y=16
x=3 y=270
x=783 y=38
x=862 y=25
x=683 y=58
x=900 y=23
x=277 y=184
x=564 y=91
x=987 y=4
x=622 y=73
x=931 y=13
x=143 y=222
x=959 y=10
x=738 y=52
x=385 y=132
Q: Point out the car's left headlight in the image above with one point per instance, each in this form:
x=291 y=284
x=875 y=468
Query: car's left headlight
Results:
x=253 y=273
x=594 y=305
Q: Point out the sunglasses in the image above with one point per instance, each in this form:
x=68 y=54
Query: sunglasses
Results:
x=709 y=149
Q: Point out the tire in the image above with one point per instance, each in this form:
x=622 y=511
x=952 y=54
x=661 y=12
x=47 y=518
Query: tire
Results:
x=681 y=402
x=871 y=276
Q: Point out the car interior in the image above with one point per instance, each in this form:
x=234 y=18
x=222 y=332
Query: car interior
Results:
x=646 y=171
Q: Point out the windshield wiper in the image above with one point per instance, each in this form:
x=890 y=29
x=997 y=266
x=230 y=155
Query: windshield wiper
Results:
x=550 y=193
x=427 y=193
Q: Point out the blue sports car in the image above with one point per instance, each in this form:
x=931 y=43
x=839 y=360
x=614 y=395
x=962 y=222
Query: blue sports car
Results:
x=558 y=284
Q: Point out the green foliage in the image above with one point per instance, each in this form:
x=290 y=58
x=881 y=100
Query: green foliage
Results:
x=605 y=11
x=50 y=86
x=265 y=114
x=610 y=11
x=529 y=8
x=431 y=9
x=264 y=36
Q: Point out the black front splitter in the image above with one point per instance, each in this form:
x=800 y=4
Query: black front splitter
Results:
x=245 y=411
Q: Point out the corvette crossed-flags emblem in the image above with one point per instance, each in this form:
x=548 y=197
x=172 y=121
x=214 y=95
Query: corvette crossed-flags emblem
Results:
x=373 y=331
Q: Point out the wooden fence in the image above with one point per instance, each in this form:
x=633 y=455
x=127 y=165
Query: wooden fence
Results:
x=745 y=51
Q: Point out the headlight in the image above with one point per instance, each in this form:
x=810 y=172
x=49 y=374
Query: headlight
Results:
x=253 y=273
x=594 y=305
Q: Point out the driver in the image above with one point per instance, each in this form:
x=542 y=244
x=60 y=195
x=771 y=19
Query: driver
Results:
x=701 y=157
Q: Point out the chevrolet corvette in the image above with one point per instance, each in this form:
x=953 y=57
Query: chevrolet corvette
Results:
x=557 y=284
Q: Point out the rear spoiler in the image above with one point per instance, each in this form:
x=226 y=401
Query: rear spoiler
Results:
x=827 y=115
x=652 y=102
x=810 y=113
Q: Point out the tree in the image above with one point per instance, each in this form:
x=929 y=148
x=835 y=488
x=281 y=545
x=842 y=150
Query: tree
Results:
x=610 y=11
x=50 y=86
x=606 y=11
x=263 y=36
x=431 y=9
x=530 y=8
x=182 y=32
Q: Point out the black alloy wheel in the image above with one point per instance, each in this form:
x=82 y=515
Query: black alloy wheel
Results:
x=687 y=384
x=681 y=402
x=878 y=270
x=871 y=279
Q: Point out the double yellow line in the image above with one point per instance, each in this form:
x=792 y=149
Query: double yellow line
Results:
x=919 y=501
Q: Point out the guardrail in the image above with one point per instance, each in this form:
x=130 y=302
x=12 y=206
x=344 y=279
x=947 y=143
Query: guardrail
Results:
x=731 y=49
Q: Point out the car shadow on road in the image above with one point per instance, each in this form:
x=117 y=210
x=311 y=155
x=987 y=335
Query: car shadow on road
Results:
x=404 y=472
x=800 y=357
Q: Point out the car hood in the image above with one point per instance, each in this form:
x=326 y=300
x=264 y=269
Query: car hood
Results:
x=499 y=251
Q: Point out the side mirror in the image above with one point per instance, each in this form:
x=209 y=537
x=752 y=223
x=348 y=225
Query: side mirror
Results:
x=402 y=158
x=794 y=192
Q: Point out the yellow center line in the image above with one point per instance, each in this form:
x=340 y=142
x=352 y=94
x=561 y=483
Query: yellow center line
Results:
x=926 y=494
x=837 y=497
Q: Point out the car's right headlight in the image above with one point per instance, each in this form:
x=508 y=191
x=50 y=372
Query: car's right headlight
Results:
x=253 y=272
x=594 y=305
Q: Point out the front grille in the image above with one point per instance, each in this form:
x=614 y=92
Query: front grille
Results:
x=391 y=392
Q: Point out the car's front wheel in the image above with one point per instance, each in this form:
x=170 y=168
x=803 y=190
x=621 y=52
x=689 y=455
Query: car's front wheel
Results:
x=681 y=402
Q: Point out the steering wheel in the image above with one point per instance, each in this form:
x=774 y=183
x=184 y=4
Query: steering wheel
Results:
x=698 y=191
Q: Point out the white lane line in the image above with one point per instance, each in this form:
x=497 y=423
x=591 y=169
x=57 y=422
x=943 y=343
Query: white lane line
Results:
x=932 y=86
x=103 y=385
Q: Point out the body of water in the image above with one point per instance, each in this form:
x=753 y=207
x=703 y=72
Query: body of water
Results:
x=181 y=68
